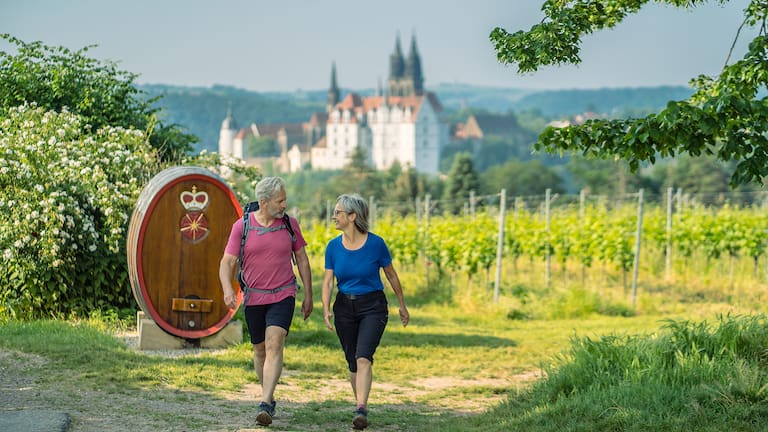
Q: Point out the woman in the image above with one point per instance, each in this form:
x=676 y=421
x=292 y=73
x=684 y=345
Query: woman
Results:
x=360 y=311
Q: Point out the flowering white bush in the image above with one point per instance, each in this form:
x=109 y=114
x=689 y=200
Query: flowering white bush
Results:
x=66 y=198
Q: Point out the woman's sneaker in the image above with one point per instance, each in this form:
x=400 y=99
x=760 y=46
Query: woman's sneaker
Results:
x=266 y=412
x=360 y=420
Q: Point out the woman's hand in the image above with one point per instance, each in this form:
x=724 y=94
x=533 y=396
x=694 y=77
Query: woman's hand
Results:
x=328 y=315
x=405 y=317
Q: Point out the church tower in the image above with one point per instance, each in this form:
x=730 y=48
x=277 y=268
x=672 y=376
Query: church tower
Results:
x=227 y=135
x=333 y=91
x=396 y=70
x=405 y=77
x=413 y=69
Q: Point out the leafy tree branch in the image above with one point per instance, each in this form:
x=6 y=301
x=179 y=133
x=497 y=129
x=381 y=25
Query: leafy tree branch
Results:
x=726 y=116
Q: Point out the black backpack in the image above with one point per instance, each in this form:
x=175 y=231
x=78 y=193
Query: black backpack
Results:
x=250 y=208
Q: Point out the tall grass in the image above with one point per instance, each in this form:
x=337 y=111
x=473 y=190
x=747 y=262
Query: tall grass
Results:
x=690 y=376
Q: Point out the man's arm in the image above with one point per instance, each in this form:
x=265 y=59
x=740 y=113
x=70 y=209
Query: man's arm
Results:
x=305 y=272
x=226 y=270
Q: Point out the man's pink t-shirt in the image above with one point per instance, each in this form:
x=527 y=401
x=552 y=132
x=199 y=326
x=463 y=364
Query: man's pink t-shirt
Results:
x=266 y=258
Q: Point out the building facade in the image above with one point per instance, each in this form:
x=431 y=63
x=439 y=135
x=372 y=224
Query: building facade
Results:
x=403 y=124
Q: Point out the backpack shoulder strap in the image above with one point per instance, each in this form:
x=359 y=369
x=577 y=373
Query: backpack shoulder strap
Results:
x=250 y=207
x=289 y=227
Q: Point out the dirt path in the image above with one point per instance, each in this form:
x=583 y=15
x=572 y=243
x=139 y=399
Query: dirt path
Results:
x=22 y=386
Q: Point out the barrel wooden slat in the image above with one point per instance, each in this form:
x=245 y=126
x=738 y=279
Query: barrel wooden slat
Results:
x=165 y=266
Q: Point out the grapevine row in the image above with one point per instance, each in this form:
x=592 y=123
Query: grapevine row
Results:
x=591 y=236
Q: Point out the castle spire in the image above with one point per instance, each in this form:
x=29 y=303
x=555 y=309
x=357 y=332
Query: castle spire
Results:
x=413 y=68
x=229 y=121
x=396 y=64
x=333 y=91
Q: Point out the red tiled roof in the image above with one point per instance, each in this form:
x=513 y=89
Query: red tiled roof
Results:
x=356 y=104
x=244 y=133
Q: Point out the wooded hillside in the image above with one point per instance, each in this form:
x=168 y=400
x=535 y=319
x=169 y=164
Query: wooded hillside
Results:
x=201 y=109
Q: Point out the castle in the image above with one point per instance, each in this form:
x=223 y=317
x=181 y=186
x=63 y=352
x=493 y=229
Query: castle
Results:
x=403 y=124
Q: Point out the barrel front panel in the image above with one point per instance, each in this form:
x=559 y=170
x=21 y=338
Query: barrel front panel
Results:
x=184 y=232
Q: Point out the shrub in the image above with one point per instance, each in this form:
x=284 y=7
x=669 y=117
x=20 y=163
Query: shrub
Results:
x=66 y=198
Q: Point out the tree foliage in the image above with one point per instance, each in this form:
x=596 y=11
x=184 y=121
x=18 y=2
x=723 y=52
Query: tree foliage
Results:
x=261 y=146
x=462 y=179
x=357 y=177
x=522 y=178
x=56 y=78
x=725 y=117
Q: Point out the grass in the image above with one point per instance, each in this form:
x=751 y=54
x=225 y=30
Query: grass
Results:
x=560 y=357
x=689 y=377
x=603 y=373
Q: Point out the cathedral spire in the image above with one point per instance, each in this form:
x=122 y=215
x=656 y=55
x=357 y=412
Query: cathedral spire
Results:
x=413 y=68
x=396 y=64
x=333 y=91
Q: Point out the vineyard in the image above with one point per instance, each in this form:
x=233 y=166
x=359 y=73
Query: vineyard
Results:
x=584 y=244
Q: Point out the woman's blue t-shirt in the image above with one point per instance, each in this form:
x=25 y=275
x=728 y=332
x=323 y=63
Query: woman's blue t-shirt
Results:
x=357 y=271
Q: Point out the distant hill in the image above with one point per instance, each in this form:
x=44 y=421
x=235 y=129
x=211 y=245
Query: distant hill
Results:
x=559 y=103
x=201 y=109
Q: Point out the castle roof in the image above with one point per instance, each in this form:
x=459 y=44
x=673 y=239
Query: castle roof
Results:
x=244 y=133
x=480 y=125
x=360 y=105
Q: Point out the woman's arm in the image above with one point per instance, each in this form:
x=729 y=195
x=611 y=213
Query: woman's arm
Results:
x=326 y=298
x=394 y=282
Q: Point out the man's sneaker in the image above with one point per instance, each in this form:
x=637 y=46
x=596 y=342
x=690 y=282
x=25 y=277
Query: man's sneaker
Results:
x=266 y=412
x=360 y=420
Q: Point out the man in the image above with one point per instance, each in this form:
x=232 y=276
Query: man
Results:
x=269 y=283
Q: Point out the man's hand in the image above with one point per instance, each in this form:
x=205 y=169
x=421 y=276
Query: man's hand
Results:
x=306 y=307
x=230 y=299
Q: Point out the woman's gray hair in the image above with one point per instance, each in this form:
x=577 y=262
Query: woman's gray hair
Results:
x=268 y=187
x=354 y=203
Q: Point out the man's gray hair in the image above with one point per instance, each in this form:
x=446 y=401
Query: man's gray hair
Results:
x=268 y=187
x=356 y=204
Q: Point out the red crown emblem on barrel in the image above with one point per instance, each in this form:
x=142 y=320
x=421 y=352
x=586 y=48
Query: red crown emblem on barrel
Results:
x=194 y=201
x=194 y=225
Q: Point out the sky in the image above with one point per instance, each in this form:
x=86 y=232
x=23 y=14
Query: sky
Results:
x=290 y=45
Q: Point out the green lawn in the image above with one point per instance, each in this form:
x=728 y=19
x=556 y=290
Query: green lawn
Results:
x=455 y=367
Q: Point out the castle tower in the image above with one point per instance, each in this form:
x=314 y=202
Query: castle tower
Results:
x=405 y=77
x=227 y=135
x=396 y=69
x=413 y=68
x=333 y=91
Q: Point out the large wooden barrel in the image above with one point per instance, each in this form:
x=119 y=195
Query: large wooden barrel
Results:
x=175 y=242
